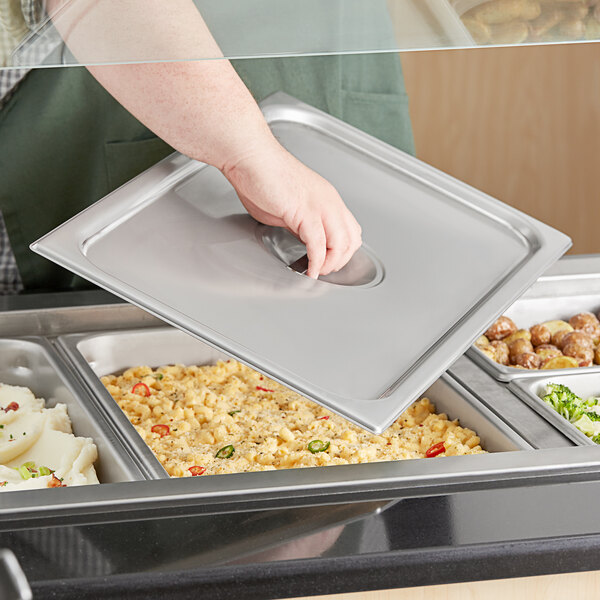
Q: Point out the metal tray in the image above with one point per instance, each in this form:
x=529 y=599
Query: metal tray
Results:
x=96 y=355
x=583 y=384
x=557 y=296
x=31 y=362
x=177 y=242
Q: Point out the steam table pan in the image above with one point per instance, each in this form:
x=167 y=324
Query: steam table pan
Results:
x=440 y=261
x=31 y=362
x=584 y=384
x=572 y=289
x=96 y=355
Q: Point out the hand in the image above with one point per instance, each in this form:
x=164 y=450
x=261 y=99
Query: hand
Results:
x=277 y=189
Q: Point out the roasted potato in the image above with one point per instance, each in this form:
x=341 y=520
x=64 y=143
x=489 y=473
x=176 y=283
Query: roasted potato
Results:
x=482 y=341
x=559 y=336
x=561 y=362
x=489 y=351
x=540 y=334
x=514 y=32
x=530 y=9
x=501 y=351
x=581 y=354
x=588 y=323
x=502 y=328
x=547 y=351
x=597 y=355
x=571 y=29
x=555 y=326
x=579 y=338
x=520 y=334
x=528 y=360
x=480 y=32
x=545 y=22
x=497 y=11
x=519 y=346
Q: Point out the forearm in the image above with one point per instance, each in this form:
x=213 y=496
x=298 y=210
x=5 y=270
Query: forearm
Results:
x=200 y=107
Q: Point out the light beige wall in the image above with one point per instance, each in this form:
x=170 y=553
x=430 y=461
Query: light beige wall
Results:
x=522 y=124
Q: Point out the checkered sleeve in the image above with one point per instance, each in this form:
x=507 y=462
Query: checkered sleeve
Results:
x=33 y=13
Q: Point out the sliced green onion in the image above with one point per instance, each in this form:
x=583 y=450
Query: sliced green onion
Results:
x=158 y=376
x=233 y=412
x=43 y=471
x=24 y=472
x=318 y=446
x=29 y=465
x=225 y=452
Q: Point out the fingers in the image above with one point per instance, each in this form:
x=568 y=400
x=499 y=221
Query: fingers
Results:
x=343 y=239
x=312 y=234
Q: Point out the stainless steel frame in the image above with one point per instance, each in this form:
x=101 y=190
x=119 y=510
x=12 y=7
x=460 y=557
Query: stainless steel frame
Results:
x=558 y=461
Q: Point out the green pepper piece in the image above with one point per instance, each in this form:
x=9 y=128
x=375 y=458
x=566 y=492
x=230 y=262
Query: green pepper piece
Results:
x=318 y=446
x=24 y=472
x=225 y=452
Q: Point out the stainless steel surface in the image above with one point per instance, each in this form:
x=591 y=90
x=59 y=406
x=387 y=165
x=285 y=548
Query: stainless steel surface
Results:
x=13 y=583
x=366 y=352
x=31 y=362
x=102 y=354
x=582 y=384
x=572 y=288
x=499 y=399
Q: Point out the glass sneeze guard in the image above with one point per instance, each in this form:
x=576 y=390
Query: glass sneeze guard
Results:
x=127 y=31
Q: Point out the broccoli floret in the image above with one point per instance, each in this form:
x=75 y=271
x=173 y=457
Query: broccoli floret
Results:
x=564 y=401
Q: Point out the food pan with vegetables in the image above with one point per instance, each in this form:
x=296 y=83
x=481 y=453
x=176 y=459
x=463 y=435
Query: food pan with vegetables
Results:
x=571 y=402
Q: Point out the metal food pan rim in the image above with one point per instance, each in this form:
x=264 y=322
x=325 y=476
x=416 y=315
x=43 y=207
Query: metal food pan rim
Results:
x=506 y=374
x=522 y=389
x=151 y=466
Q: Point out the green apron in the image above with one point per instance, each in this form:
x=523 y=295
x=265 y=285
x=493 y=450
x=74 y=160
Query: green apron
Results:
x=65 y=142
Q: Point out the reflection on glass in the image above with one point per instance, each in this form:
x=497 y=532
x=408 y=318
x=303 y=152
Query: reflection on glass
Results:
x=530 y=21
x=118 y=31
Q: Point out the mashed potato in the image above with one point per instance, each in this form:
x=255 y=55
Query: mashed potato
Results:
x=37 y=446
x=228 y=418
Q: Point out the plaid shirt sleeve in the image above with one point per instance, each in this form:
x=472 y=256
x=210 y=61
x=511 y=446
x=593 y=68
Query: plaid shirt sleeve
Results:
x=33 y=13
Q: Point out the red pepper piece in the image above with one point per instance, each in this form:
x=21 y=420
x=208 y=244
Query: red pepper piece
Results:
x=435 y=450
x=262 y=389
x=195 y=470
x=56 y=482
x=162 y=430
x=141 y=389
x=11 y=406
x=325 y=418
